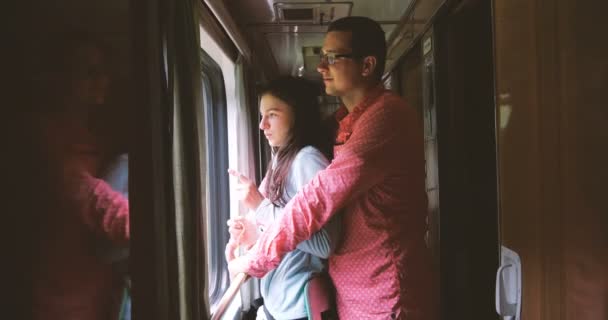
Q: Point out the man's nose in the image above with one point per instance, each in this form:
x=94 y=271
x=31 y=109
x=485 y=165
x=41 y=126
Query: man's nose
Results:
x=322 y=67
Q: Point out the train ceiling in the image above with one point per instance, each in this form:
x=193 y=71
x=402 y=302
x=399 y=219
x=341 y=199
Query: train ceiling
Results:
x=284 y=33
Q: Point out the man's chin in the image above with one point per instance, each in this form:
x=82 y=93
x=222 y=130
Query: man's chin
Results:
x=331 y=91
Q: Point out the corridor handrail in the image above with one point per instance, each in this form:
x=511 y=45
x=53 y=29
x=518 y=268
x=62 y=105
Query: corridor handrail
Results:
x=234 y=287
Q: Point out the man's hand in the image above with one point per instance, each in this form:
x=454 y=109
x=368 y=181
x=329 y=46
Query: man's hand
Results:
x=249 y=194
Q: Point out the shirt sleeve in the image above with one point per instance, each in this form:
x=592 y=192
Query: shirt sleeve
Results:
x=98 y=206
x=104 y=210
x=364 y=161
x=323 y=242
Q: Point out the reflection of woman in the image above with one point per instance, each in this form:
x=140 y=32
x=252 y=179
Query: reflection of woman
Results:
x=291 y=122
x=70 y=280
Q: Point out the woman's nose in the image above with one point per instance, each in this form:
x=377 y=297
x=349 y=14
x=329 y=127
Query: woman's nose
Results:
x=263 y=123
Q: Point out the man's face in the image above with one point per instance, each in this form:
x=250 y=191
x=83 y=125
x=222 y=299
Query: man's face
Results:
x=88 y=78
x=345 y=73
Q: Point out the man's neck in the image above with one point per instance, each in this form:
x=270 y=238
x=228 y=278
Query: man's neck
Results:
x=76 y=114
x=356 y=96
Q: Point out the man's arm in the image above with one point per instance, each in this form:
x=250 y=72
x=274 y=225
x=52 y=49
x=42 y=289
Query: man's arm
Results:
x=363 y=162
x=323 y=242
x=104 y=210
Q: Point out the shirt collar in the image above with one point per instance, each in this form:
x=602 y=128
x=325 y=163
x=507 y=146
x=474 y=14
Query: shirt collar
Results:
x=347 y=120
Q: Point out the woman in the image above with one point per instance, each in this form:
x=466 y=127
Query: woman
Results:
x=71 y=280
x=301 y=146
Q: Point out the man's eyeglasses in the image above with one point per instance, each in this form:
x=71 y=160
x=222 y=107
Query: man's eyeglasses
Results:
x=331 y=57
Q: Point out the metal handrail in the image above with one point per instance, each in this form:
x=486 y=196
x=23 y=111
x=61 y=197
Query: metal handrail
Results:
x=227 y=298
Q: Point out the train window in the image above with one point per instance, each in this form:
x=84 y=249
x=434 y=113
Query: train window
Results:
x=214 y=104
x=230 y=145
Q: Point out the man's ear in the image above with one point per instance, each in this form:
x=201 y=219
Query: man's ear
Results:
x=369 y=66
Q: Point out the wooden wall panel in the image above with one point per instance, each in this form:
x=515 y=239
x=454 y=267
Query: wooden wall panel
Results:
x=552 y=75
x=518 y=142
x=583 y=66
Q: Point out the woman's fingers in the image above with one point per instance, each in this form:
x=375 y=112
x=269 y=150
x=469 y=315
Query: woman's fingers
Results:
x=236 y=228
x=230 y=251
x=234 y=173
x=243 y=187
x=242 y=178
x=234 y=223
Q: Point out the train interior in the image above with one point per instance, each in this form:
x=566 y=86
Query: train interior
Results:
x=508 y=92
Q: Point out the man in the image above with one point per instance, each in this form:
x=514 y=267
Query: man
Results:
x=382 y=269
x=70 y=281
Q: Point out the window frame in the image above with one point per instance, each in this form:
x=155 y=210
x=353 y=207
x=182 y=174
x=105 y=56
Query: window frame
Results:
x=218 y=200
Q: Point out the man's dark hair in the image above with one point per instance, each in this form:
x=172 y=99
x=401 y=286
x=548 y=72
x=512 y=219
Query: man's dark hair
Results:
x=367 y=39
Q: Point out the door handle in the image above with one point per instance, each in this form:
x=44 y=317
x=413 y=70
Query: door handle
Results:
x=508 y=286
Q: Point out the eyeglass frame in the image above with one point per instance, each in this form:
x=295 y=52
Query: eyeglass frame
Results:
x=325 y=57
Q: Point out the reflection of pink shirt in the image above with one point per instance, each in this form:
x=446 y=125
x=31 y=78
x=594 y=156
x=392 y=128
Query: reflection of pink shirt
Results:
x=382 y=269
x=70 y=280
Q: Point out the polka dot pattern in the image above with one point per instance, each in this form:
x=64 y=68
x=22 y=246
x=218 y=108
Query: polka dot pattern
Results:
x=381 y=269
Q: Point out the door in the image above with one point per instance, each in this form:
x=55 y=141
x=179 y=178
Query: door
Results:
x=551 y=79
x=466 y=145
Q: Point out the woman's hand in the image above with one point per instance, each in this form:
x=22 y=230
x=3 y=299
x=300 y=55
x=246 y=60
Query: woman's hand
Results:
x=238 y=265
x=249 y=194
x=230 y=250
x=243 y=232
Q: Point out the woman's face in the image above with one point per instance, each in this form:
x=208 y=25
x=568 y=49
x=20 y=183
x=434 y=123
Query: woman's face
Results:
x=277 y=120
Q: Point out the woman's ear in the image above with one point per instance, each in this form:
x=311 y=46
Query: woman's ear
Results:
x=369 y=66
